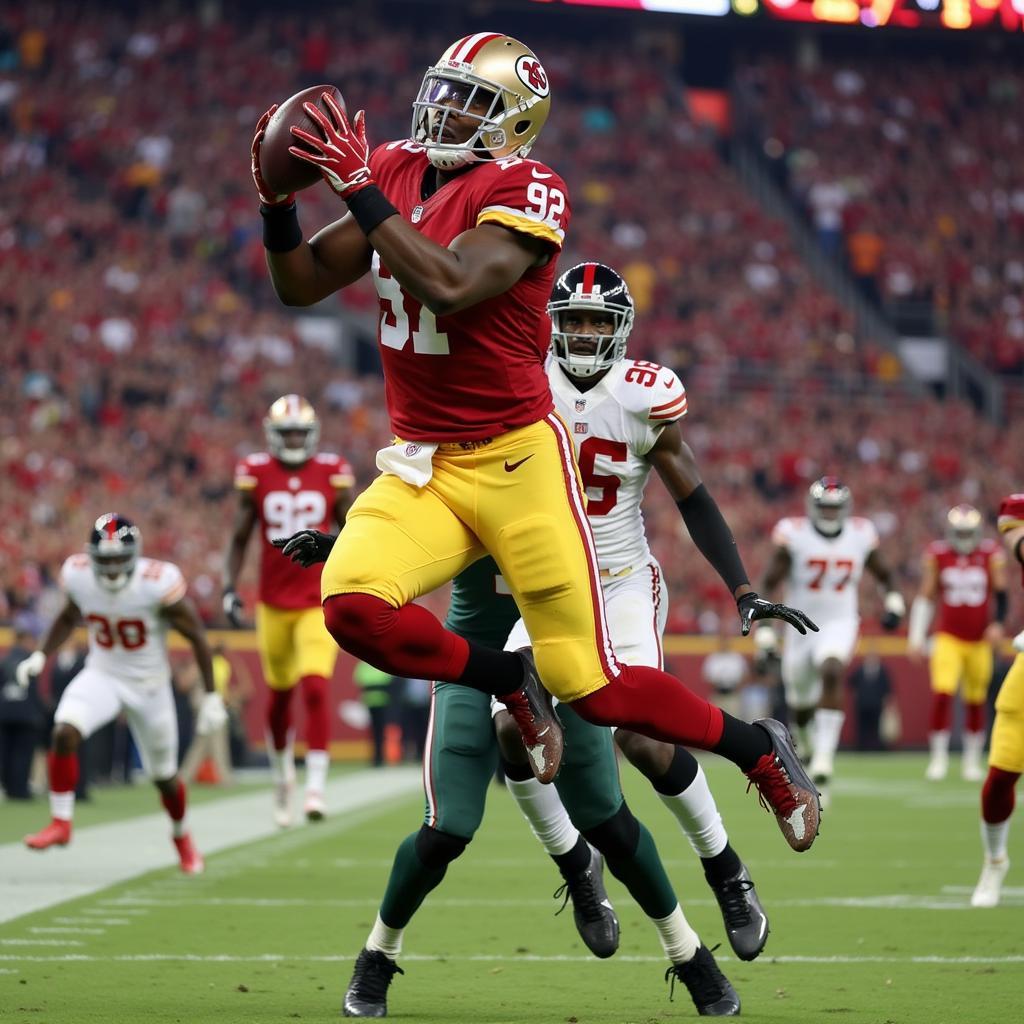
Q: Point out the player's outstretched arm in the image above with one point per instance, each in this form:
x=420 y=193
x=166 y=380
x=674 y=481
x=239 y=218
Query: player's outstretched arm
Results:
x=182 y=615
x=245 y=520
x=481 y=263
x=677 y=466
x=996 y=631
x=895 y=608
x=60 y=629
x=922 y=608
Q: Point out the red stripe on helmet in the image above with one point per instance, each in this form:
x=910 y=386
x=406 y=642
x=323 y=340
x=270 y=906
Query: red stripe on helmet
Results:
x=588 y=277
x=482 y=40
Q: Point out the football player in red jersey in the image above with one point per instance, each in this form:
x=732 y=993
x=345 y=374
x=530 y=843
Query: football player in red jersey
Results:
x=287 y=488
x=1006 y=756
x=461 y=232
x=962 y=573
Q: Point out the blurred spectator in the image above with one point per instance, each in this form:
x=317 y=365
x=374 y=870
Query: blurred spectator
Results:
x=872 y=690
x=415 y=718
x=376 y=689
x=724 y=671
x=21 y=721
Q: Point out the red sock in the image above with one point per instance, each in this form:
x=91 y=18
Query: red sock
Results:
x=318 y=716
x=974 y=717
x=63 y=772
x=407 y=641
x=656 y=704
x=997 y=795
x=175 y=805
x=942 y=712
x=279 y=717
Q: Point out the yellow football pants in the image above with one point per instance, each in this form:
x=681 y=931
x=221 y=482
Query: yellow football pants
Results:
x=968 y=661
x=1007 y=749
x=293 y=643
x=518 y=497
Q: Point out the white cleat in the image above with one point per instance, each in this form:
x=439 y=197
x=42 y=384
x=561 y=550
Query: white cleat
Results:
x=937 y=768
x=971 y=770
x=283 y=792
x=990 y=885
x=314 y=807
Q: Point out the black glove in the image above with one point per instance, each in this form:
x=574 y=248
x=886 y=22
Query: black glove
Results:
x=890 y=621
x=307 y=547
x=233 y=607
x=751 y=608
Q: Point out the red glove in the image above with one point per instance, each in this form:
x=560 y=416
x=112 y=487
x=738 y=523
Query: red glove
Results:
x=343 y=154
x=267 y=198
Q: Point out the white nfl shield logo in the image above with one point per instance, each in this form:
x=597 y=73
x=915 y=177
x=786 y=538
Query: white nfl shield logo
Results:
x=581 y=404
x=417 y=212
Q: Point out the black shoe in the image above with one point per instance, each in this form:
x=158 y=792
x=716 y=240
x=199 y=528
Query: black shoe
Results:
x=746 y=923
x=534 y=713
x=709 y=988
x=591 y=909
x=367 y=994
x=785 y=787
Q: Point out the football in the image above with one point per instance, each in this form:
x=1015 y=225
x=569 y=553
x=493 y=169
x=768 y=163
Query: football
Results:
x=281 y=171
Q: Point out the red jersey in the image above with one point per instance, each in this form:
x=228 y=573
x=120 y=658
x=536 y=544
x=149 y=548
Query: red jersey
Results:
x=289 y=499
x=1011 y=516
x=965 y=587
x=479 y=372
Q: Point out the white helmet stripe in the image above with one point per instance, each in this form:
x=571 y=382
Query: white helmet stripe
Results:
x=467 y=47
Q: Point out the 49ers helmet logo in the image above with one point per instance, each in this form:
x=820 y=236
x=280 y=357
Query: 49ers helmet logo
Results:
x=532 y=75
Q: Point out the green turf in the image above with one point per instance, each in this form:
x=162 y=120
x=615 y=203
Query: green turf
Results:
x=887 y=881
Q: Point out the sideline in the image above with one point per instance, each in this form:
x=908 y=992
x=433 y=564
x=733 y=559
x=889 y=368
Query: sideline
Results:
x=103 y=855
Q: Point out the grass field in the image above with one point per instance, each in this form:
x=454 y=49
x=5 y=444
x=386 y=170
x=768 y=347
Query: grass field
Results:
x=870 y=927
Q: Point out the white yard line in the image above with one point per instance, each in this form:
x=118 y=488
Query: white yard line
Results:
x=231 y=958
x=103 y=855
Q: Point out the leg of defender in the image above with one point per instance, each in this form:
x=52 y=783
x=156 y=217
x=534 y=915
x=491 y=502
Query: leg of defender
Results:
x=275 y=636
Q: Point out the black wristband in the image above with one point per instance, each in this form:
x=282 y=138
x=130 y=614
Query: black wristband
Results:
x=711 y=533
x=370 y=207
x=1002 y=606
x=281 y=230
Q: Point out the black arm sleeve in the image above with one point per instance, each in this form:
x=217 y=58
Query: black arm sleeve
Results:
x=1002 y=605
x=714 y=539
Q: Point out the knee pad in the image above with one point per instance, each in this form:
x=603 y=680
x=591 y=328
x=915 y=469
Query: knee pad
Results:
x=437 y=849
x=998 y=795
x=616 y=838
x=352 y=618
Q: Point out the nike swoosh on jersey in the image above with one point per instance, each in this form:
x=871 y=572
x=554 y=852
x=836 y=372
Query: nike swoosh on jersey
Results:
x=511 y=468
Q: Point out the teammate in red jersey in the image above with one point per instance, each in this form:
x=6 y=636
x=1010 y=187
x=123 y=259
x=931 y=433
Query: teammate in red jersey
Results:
x=290 y=487
x=962 y=573
x=1006 y=756
x=461 y=233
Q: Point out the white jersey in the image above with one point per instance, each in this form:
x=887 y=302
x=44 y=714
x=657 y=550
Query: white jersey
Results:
x=614 y=425
x=127 y=633
x=825 y=572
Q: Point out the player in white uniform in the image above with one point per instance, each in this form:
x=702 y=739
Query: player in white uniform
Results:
x=821 y=558
x=624 y=416
x=128 y=603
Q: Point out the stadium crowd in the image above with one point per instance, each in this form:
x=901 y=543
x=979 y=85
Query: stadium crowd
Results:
x=143 y=342
x=911 y=171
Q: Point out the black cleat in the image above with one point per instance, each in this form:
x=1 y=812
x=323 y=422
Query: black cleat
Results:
x=534 y=713
x=709 y=988
x=591 y=909
x=367 y=994
x=746 y=923
x=785 y=787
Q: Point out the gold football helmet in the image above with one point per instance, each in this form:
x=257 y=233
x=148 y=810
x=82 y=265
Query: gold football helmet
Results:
x=963 y=528
x=290 y=415
x=492 y=79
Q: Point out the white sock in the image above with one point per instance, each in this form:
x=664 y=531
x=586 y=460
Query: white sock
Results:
x=938 y=744
x=282 y=762
x=698 y=816
x=316 y=770
x=179 y=828
x=678 y=939
x=974 y=744
x=993 y=839
x=549 y=820
x=62 y=805
x=385 y=940
x=828 y=724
